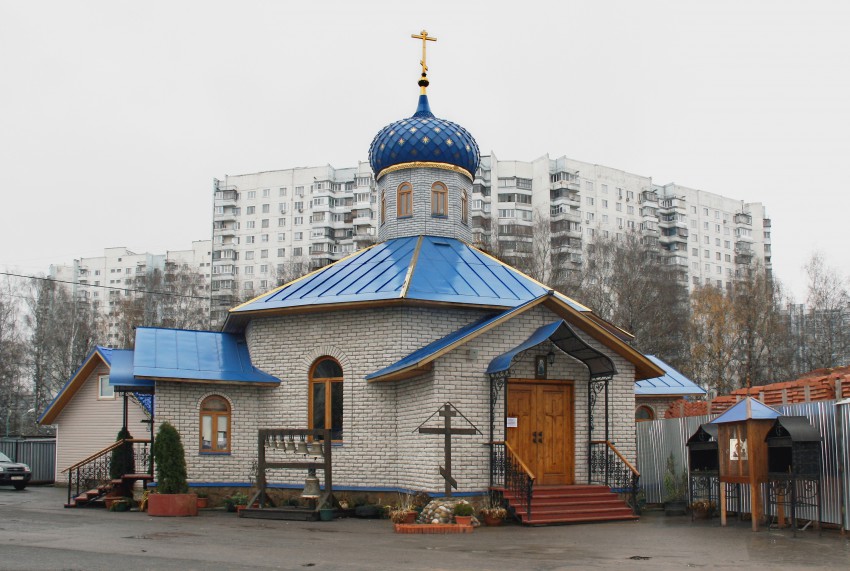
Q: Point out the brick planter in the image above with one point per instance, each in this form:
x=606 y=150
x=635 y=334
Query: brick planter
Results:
x=172 y=505
x=416 y=528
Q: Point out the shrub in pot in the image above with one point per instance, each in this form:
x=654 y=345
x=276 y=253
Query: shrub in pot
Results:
x=675 y=488
x=463 y=513
x=172 y=497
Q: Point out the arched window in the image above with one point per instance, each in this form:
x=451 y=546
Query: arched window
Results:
x=215 y=424
x=644 y=412
x=383 y=207
x=464 y=208
x=439 y=199
x=326 y=396
x=405 y=200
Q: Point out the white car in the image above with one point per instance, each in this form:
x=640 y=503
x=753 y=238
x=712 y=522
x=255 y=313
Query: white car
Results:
x=14 y=473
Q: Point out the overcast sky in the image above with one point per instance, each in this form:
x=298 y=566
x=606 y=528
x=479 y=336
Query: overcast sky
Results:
x=116 y=116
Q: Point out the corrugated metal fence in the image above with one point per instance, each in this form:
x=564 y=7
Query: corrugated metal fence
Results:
x=38 y=453
x=656 y=440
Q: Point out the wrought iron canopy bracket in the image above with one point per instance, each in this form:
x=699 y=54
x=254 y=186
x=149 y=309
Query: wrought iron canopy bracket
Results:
x=594 y=388
x=497 y=384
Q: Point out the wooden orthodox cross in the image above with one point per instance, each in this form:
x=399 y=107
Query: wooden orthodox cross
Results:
x=448 y=411
x=423 y=35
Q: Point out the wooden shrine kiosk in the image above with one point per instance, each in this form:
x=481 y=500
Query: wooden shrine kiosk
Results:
x=741 y=434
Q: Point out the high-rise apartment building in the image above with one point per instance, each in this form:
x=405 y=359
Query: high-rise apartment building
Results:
x=121 y=274
x=273 y=226
x=270 y=227
x=708 y=236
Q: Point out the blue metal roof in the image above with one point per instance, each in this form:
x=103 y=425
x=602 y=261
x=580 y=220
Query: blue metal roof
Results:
x=424 y=268
x=424 y=138
x=747 y=409
x=121 y=372
x=671 y=383
x=182 y=355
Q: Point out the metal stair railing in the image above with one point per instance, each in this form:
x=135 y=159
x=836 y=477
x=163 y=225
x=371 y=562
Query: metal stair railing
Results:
x=93 y=471
x=610 y=468
x=509 y=471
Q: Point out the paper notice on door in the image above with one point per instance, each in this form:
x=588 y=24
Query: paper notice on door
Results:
x=511 y=422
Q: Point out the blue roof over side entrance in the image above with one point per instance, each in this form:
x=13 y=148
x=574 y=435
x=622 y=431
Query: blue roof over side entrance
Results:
x=121 y=372
x=203 y=356
x=672 y=382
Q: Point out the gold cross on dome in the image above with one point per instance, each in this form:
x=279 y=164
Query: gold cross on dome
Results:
x=423 y=35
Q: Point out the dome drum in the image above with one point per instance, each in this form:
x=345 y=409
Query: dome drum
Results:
x=417 y=215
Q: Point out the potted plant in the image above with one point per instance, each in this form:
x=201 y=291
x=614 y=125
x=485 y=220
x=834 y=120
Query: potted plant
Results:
x=402 y=511
x=235 y=501
x=493 y=513
x=203 y=500
x=675 y=488
x=463 y=513
x=172 y=497
x=121 y=504
x=702 y=509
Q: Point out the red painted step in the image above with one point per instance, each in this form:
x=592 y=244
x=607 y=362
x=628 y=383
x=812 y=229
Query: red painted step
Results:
x=572 y=504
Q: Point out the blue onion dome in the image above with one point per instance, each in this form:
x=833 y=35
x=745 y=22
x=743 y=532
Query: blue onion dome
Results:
x=424 y=140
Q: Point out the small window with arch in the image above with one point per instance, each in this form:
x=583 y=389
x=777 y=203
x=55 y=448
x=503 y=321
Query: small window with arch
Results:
x=326 y=383
x=439 y=199
x=405 y=200
x=643 y=413
x=215 y=424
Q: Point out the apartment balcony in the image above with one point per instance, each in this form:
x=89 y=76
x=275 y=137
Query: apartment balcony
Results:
x=766 y=223
x=649 y=197
x=362 y=220
x=680 y=261
x=676 y=223
x=566 y=185
x=229 y=214
x=672 y=239
x=226 y=198
x=744 y=219
x=228 y=231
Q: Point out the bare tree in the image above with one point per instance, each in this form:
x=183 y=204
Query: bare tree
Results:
x=12 y=371
x=630 y=283
x=756 y=301
x=62 y=330
x=825 y=333
x=713 y=338
x=177 y=297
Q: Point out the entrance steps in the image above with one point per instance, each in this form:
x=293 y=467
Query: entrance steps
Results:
x=551 y=505
x=94 y=498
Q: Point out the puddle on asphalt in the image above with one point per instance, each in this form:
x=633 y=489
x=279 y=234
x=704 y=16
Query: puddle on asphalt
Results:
x=161 y=535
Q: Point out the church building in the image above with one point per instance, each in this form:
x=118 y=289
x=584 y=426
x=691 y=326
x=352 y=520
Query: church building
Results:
x=374 y=345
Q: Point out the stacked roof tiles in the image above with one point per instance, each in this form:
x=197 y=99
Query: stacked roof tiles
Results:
x=820 y=384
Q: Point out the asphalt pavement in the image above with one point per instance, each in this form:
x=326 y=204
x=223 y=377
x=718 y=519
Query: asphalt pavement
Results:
x=36 y=532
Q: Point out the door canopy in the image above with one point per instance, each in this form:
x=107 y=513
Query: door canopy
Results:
x=565 y=339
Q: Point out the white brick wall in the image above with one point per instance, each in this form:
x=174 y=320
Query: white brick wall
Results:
x=381 y=447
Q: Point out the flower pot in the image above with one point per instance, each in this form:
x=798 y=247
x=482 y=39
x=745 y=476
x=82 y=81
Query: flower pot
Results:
x=493 y=521
x=463 y=519
x=203 y=503
x=326 y=514
x=172 y=505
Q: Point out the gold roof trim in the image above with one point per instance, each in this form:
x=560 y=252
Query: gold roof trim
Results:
x=426 y=165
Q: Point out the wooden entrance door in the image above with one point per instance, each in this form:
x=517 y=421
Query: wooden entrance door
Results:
x=543 y=436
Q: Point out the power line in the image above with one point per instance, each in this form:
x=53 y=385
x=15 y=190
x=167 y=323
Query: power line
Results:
x=151 y=292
